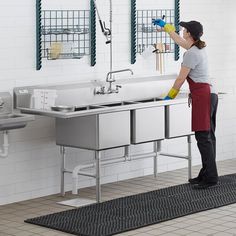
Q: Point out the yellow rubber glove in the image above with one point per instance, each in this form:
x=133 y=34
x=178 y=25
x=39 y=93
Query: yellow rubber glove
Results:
x=173 y=93
x=169 y=28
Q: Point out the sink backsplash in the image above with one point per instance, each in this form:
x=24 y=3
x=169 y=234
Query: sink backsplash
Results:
x=81 y=94
x=6 y=101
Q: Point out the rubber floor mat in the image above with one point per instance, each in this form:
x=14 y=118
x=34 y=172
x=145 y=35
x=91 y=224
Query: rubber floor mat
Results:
x=132 y=212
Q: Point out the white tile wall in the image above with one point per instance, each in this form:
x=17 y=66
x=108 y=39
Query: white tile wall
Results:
x=33 y=166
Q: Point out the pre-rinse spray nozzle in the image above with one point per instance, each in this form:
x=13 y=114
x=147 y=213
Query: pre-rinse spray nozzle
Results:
x=106 y=31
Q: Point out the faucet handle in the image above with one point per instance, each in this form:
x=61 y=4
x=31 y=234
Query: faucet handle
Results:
x=1 y=102
x=117 y=88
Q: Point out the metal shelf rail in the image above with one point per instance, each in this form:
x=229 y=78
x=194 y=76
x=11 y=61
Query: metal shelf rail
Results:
x=65 y=34
x=147 y=33
x=144 y=33
x=68 y=27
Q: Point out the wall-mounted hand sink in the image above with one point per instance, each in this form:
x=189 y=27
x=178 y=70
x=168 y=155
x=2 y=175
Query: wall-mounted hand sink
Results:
x=14 y=121
x=8 y=119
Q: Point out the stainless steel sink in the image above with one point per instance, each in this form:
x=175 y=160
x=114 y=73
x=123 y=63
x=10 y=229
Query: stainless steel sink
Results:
x=115 y=104
x=14 y=121
x=94 y=132
x=175 y=115
x=150 y=100
x=147 y=124
x=8 y=119
x=90 y=107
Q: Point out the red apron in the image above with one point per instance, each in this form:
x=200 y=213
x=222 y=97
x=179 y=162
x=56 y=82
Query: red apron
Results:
x=201 y=105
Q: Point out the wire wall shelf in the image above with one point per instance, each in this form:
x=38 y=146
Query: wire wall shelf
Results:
x=147 y=34
x=65 y=34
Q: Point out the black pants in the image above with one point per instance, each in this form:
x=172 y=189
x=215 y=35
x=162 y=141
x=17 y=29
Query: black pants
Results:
x=206 y=142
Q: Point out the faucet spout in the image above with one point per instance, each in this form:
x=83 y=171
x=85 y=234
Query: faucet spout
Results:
x=110 y=80
x=109 y=74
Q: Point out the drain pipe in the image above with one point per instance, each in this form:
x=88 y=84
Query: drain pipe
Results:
x=126 y=157
x=4 y=150
x=76 y=171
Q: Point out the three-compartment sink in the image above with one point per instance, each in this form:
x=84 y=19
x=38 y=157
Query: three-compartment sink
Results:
x=14 y=121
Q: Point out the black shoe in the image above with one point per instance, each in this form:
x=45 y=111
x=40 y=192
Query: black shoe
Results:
x=196 y=180
x=205 y=185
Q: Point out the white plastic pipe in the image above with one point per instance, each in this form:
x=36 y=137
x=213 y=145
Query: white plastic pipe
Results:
x=127 y=157
x=5 y=146
x=75 y=177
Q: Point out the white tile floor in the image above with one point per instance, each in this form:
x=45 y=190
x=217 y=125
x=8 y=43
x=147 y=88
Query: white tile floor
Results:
x=217 y=222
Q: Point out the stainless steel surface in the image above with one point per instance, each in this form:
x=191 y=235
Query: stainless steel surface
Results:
x=189 y=157
x=1 y=102
x=150 y=100
x=178 y=120
x=148 y=124
x=108 y=90
x=5 y=103
x=81 y=94
x=8 y=119
x=117 y=104
x=103 y=122
x=14 y=121
x=109 y=74
x=63 y=108
x=111 y=80
x=105 y=108
x=63 y=153
x=156 y=149
x=98 y=175
x=94 y=132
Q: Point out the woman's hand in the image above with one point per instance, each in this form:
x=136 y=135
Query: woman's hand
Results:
x=168 y=28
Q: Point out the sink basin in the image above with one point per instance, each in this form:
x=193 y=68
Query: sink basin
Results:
x=115 y=104
x=94 y=132
x=150 y=100
x=14 y=121
x=90 y=107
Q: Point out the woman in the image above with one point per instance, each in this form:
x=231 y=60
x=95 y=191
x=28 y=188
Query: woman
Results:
x=194 y=68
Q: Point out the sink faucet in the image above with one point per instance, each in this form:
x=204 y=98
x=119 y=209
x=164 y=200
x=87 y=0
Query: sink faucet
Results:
x=110 y=80
x=109 y=74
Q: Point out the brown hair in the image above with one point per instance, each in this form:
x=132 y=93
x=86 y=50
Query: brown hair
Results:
x=199 y=44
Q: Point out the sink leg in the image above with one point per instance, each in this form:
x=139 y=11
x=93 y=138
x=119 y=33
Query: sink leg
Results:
x=157 y=149
x=98 y=168
x=127 y=153
x=189 y=157
x=62 y=152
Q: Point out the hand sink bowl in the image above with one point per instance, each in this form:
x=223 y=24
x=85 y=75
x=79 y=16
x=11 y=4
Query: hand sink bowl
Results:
x=14 y=121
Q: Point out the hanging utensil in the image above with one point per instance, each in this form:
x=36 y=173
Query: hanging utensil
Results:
x=157 y=56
